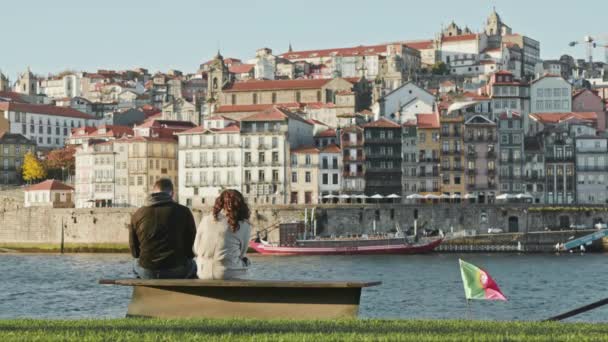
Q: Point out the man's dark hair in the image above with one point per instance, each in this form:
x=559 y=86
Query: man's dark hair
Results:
x=163 y=185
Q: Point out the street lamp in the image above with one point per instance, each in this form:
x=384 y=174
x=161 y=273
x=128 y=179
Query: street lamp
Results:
x=62 y=176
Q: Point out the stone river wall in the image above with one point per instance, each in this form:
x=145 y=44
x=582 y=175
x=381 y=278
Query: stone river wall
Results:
x=109 y=225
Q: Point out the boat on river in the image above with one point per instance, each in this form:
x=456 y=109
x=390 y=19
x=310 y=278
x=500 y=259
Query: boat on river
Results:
x=348 y=246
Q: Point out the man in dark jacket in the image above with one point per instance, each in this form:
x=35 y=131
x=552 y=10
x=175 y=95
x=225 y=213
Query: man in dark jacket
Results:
x=161 y=235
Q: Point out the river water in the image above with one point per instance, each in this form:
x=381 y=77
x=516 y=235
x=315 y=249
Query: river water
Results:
x=420 y=286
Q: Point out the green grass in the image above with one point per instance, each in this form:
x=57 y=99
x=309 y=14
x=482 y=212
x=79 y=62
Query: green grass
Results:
x=280 y=330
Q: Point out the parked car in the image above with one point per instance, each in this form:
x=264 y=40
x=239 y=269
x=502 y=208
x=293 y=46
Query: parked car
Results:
x=495 y=230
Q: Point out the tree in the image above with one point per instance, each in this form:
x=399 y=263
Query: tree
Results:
x=439 y=68
x=32 y=168
x=60 y=161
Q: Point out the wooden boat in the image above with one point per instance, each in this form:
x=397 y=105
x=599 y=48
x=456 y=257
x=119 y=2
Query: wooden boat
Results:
x=353 y=246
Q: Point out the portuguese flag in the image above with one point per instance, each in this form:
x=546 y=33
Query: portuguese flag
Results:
x=478 y=284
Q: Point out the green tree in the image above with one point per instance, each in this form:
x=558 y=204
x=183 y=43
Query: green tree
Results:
x=439 y=68
x=32 y=168
x=60 y=163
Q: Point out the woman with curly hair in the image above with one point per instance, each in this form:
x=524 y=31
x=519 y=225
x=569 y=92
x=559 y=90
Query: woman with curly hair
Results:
x=222 y=238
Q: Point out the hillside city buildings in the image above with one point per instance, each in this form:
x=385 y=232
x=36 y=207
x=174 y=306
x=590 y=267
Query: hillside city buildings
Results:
x=464 y=115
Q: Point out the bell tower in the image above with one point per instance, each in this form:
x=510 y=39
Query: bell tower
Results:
x=217 y=78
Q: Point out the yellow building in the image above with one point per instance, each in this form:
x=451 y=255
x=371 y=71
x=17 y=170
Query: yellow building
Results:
x=429 y=145
x=452 y=155
x=304 y=175
x=13 y=148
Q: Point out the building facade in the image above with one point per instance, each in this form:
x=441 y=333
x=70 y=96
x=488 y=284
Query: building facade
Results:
x=304 y=175
x=330 y=170
x=13 y=148
x=452 y=155
x=429 y=147
x=50 y=193
x=591 y=169
x=353 y=160
x=480 y=144
x=383 y=158
x=510 y=153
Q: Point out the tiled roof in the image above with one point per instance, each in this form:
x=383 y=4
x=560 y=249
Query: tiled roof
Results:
x=326 y=133
x=277 y=85
x=428 y=120
x=504 y=116
x=111 y=131
x=241 y=68
x=342 y=52
x=420 y=45
x=218 y=117
x=381 y=123
x=551 y=118
x=12 y=96
x=231 y=128
x=305 y=149
x=166 y=124
x=463 y=37
x=14 y=138
x=254 y=108
x=545 y=76
x=366 y=112
x=274 y=114
x=48 y=185
x=332 y=148
x=44 y=109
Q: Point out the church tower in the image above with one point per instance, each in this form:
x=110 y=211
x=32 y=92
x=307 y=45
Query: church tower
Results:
x=217 y=78
x=495 y=26
x=27 y=83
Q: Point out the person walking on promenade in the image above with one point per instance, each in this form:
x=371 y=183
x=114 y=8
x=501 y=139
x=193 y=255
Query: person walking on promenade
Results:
x=161 y=235
x=222 y=238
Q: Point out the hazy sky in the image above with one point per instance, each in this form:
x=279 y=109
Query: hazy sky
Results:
x=51 y=36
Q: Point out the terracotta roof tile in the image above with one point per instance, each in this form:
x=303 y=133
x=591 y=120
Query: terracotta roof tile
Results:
x=332 y=148
x=241 y=68
x=459 y=38
x=274 y=114
x=381 y=123
x=44 y=109
x=428 y=120
x=552 y=118
x=305 y=149
x=277 y=85
x=328 y=133
x=253 y=108
x=49 y=184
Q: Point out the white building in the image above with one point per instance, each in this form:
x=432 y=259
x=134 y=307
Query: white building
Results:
x=265 y=64
x=403 y=103
x=330 y=170
x=591 y=169
x=50 y=193
x=267 y=138
x=550 y=94
x=48 y=126
x=63 y=86
x=209 y=161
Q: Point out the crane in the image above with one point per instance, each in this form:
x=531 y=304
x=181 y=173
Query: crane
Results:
x=591 y=43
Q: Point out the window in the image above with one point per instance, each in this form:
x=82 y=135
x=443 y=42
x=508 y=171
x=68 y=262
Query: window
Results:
x=335 y=178
x=307 y=177
x=325 y=179
x=261 y=176
x=275 y=175
x=539 y=92
x=298 y=96
x=504 y=139
x=308 y=160
x=294 y=177
x=274 y=97
x=255 y=98
x=233 y=99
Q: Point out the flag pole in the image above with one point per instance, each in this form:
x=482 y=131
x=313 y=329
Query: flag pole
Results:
x=469 y=315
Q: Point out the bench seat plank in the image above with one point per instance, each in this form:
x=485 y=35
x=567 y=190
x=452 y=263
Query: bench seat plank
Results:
x=237 y=283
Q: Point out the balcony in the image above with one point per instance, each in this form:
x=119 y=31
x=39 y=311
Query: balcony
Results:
x=471 y=172
x=491 y=154
x=428 y=174
x=354 y=159
x=451 y=152
x=346 y=143
x=471 y=154
x=384 y=141
x=423 y=159
x=352 y=174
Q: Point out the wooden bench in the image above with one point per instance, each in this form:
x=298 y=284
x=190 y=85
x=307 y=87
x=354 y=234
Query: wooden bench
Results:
x=190 y=298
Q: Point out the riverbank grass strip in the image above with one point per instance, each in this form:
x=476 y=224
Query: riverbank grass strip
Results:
x=280 y=330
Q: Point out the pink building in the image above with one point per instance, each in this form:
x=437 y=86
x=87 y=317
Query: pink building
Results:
x=586 y=100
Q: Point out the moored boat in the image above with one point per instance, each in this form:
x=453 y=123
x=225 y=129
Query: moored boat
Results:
x=357 y=246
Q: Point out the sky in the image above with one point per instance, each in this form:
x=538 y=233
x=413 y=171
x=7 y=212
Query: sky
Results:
x=52 y=36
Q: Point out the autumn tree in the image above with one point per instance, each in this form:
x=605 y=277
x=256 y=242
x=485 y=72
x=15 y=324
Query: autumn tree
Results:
x=33 y=169
x=61 y=161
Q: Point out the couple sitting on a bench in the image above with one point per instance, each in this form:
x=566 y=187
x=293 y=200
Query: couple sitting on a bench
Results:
x=165 y=242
